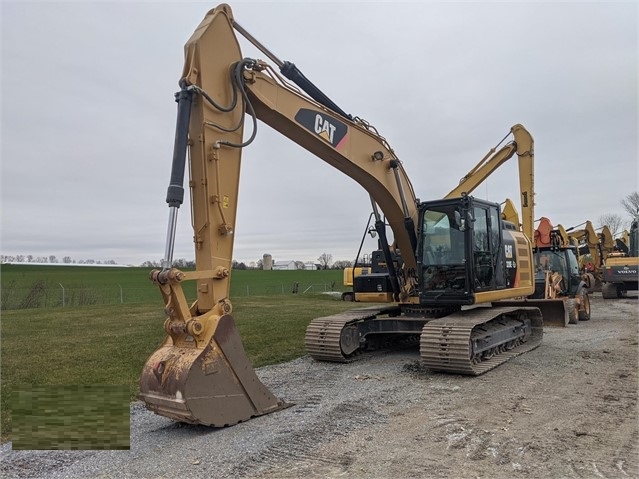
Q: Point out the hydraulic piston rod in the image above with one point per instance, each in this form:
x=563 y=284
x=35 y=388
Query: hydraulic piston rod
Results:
x=175 y=191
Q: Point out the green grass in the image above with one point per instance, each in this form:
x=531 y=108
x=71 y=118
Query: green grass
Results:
x=31 y=286
x=109 y=344
x=71 y=417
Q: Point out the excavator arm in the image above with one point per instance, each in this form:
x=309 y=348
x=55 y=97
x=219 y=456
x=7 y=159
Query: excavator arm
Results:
x=588 y=236
x=522 y=145
x=351 y=146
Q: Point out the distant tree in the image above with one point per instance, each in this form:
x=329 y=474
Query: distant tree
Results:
x=325 y=260
x=631 y=204
x=29 y=258
x=259 y=264
x=66 y=260
x=238 y=265
x=53 y=259
x=342 y=264
x=299 y=264
x=613 y=221
x=179 y=263
x=20 y=258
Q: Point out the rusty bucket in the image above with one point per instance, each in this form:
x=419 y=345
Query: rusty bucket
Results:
x=210 y=383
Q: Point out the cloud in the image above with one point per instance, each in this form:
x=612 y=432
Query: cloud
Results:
x=88 y=116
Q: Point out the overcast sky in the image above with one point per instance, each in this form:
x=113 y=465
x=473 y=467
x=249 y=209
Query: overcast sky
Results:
x=88 y=116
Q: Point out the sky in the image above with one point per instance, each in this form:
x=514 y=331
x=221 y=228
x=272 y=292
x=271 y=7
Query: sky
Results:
x=88 y=116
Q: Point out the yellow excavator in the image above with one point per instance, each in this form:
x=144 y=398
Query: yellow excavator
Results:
x=621 y=265
x=559 y=279
x=561 y=292
x=612 y=262
x=369 y=281
x=592 y=247
x=451 y=306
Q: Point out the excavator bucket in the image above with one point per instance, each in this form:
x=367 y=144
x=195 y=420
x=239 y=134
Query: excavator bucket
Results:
x=555 y=312
x=214 y=385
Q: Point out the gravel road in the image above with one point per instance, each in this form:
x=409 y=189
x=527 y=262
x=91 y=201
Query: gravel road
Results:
x=566 y=409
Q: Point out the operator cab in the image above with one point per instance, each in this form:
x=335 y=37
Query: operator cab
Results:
x=460 y=250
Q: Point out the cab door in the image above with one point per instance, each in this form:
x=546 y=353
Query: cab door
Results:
x=487 y=255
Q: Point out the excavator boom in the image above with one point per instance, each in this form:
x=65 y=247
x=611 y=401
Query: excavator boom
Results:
x=522 y=145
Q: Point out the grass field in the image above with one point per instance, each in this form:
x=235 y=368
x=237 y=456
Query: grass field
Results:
x=109 y=344
x=71 y=417
x=34 y=286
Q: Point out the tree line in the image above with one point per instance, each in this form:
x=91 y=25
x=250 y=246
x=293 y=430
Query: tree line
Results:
x=51 y=259
x=615 y=222
x=325 y=261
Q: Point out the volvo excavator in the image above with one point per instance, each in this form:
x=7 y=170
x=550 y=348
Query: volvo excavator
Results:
x=621 y=266
x=613 y=263
x=453 y=307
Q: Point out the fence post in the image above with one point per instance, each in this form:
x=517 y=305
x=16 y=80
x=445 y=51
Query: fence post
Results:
x=121 y=296
x=62 y=294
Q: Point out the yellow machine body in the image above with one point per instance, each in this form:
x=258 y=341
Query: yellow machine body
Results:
x=200 y=373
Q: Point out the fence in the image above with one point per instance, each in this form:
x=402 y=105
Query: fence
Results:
x=48 y=295
x=43 y=295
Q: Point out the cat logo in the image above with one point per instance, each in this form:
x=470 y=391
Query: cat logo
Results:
x=326 y=127
x=508 y=248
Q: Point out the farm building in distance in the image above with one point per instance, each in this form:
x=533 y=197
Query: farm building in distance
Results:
x=293 y=265
x=269 y=264
x=284 y=265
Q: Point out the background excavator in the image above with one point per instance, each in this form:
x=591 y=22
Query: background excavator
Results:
x=558 y=277
x=621 y=267
x=613 y=262
x=623 y=241
x=561 y=291
x=452 y=307
x=592 y=248
x=369 y=279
